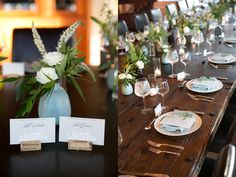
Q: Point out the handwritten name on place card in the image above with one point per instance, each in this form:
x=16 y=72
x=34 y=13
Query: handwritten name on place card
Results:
x=84 y=129
x=30 y=129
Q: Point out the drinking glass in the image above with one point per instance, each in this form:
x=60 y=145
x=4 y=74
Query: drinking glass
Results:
x=172 y=57
x=162 y=87
x=210 y=39
x=152 y=83
x=185 y=59
x=129 y=37
x=121 y=45
x=142 y=89
x=198 y=38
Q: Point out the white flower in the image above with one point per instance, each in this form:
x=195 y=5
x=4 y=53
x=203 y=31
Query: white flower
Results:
x=122 y=76
x=44 y=73
x=53 y=58
x=165 y=50
x=139 y=36
x=140 y=64
x=173 y=22
x=129 y=76
x=157 y=29
x=181 y=51
x=145 y=33
x=165 y=46
x=186 y=29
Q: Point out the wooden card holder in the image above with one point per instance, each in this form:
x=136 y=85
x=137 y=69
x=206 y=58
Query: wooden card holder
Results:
x=30 y=145
x=78 y=145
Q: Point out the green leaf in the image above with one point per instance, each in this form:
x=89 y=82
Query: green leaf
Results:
x=81 y=59
x=63 y=48
x=31 y=80
x=78 y=88
x=10 y=79
x=20 y=89
x=89 y=71
x=106 y=65
x=97 y=21
x=49 y=85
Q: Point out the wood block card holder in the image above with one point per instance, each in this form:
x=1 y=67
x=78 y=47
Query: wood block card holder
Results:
x=78 y=145
x=30 y=145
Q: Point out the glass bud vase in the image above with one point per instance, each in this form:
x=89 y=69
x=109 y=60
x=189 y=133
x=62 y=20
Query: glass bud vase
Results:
x=127 y=89
x=55 y=104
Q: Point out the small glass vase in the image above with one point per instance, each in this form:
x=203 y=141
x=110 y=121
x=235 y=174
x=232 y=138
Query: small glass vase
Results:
x=164 y=58
x=127 y=89
x=55 y=104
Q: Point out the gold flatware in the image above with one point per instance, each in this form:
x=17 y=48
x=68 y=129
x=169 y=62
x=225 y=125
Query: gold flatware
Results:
x=150 y=125
x=143 y=174
x=163 y=144
x=199 y=112
x=157 y=151
x=199 y=99
x=182 y=84
x=201 y=96
x=220 y=66
x=222 y=78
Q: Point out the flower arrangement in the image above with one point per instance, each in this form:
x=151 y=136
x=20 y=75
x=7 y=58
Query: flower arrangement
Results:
x=109 y=32
x=156 y=33
x=62 y=63
x=136 y=60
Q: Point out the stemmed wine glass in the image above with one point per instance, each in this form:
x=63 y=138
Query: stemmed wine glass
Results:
x=198 y=38
x=185 y=59
x=142 y=89
x=129 y=37
x=172 y=57
x=121 y=45
x=162 y=87
x=210 y=39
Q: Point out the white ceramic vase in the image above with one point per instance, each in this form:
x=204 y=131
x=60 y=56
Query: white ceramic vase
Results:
x=127 y=89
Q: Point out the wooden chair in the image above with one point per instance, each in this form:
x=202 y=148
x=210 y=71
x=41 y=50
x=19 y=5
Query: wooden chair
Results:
x=156 y=15
x=141 y=20
x=122 y=28
x=183 y=7
x=172 y=10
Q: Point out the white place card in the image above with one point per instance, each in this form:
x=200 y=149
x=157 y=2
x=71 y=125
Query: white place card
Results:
x=180 y=76
x=84 y=129
x=31 y=129
x=13 y=69
x=158 y=110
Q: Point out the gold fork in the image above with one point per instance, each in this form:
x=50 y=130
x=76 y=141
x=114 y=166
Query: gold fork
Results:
x=199 y=99
x=156 y=151
x=163 y=144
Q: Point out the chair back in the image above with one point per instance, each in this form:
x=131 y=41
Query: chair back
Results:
x=192 y=3
x=225 y=166
x=156 y=15
x=172 y=10
x=24 y=49
x=122 y=28
x=141 y=20
x=183 y=7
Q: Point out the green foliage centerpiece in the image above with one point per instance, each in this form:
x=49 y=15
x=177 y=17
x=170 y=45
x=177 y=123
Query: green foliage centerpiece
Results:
x=64 y=63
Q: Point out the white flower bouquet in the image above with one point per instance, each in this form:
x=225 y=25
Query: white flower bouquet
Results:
x=64 y=63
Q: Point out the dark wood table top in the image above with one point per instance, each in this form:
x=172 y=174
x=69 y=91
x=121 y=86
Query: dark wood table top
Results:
x=134 y=156
x=55 y=159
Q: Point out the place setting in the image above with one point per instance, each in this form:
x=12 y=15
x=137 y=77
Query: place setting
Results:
x=221 y=60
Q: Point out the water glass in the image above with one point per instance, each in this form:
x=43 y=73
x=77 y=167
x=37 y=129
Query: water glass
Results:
x=185 y=59
x=172 y=57
x=162 y=87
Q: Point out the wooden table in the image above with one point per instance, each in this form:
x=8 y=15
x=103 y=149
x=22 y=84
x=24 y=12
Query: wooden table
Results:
x=134 y=156
x=55 y=159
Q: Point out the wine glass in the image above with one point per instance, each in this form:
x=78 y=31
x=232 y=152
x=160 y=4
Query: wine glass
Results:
x=198 y=38
x=142 y=89
x=162 y=87
x=185 y=59
x=121 y=45
x=172 y=57
x=210 y=39
x=129 y=37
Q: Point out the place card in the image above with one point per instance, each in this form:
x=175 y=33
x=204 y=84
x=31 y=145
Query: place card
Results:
x=83 y=129
x=158 y=110
x=32 y=129
x=180 y=76
x=13 y=69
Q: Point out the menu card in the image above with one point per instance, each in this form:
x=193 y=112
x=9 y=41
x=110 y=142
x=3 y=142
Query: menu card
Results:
x=31 y=129
x=84 y=129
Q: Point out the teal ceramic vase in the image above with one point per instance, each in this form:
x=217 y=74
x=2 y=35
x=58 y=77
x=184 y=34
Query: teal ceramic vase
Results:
x=55 y=104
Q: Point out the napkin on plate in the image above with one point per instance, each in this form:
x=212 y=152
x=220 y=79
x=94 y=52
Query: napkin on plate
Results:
x=204 y=83
x=178 y=121
x=222 y=57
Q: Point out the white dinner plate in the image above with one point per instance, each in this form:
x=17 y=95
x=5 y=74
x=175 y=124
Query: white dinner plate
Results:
x=219 y=86
x=197 y=124
x=213 y=59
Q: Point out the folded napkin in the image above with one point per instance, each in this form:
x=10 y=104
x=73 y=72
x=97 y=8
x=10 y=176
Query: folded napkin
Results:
x=222 y=57
x=178 y=121
x=230 y=40
x=204 y=83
